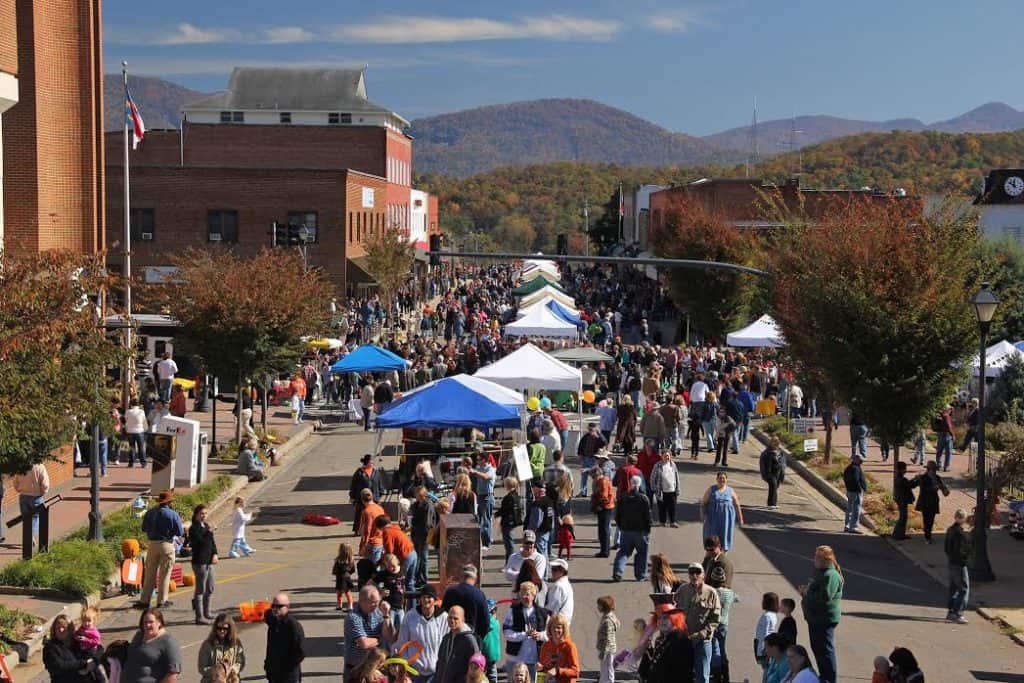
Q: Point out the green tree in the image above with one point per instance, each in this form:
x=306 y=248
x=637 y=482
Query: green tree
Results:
x=716 y=300
x=1007 y=399
x=53 y=354
x=604 y=231
x=514 y=233
x=244 y=317
x=389 y=258
x=873 y=295
x=1000 y=262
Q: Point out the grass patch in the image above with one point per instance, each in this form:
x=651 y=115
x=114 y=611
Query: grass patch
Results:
x=77 y=566
x=15 y=624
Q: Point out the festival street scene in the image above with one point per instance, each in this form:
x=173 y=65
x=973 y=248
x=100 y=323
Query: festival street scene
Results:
x=667 y=342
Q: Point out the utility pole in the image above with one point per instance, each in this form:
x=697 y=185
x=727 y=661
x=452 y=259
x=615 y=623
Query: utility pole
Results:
x=586 y=225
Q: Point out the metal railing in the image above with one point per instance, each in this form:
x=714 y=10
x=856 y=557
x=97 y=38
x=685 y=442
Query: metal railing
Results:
x=991 y=464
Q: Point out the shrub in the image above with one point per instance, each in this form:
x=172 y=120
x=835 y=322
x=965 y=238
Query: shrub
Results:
x=75 y=567
x=1004 y=436
x=13 y=625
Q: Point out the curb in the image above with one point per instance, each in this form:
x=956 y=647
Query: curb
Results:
x=992 y=616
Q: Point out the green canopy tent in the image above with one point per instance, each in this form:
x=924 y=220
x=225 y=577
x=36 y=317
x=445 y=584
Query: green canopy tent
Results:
x=535 y=285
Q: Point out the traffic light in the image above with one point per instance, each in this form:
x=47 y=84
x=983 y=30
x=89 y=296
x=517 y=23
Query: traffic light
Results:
x=279 y=234
x=435 y=247
x=562 y=245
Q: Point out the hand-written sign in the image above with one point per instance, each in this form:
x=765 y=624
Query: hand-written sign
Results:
x=522 y=461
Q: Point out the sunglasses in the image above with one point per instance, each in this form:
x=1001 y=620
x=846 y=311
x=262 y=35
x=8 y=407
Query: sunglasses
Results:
x=277 y=606
x=223 y=628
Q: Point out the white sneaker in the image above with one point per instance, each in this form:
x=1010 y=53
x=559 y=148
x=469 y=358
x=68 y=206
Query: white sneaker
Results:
x=485 y=548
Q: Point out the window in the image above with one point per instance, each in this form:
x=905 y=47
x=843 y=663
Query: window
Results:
x=286 y=117
x=346 y=118
x=142 y=225
x=307 y=218
x=232 y=117
x=222 y=226
x=335 y=118
x=225 y=117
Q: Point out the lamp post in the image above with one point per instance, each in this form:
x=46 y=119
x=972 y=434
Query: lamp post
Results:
x=984 y=302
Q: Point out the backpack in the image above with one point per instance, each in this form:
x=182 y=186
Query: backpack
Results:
x=938 y=424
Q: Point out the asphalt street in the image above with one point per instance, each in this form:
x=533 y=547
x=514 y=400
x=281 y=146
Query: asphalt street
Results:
x=888 y=601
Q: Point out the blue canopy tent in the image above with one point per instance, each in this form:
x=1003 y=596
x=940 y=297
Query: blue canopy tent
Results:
x=564 y=313
x=453 y=402
x=370 y=359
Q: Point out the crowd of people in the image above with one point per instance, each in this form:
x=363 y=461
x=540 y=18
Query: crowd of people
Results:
x=654 y=405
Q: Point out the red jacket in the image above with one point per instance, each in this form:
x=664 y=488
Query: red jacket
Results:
x=622 y=477
x=647 y=458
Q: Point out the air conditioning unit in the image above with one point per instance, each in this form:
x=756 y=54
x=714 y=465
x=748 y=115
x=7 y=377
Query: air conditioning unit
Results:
x=215 y=237
x=147 y=237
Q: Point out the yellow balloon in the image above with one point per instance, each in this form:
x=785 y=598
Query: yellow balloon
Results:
x=533 y=403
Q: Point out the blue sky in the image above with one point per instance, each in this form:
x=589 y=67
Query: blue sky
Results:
x=691 y=67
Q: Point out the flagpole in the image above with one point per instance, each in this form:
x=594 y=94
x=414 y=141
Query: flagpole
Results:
x=621 y=236
x=125 y=389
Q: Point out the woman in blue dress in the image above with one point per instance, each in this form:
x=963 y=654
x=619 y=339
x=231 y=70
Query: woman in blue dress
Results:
x=720 y=510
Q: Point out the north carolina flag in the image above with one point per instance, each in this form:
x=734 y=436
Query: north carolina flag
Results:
x=134 y=119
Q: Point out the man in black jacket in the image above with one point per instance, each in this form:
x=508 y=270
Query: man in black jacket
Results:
x=472 y=601
x=903 y=494
x=633 y=517
x=457 y=647
x=856 y=485
x=366 y=477
x=958 y=552
x=773 y=470
x=285 y=639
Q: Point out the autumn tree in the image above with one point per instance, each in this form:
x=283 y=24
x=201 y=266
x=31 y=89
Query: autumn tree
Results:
x=245 y=316
x=872 y=294
x=514 y=233
x=389 y=258
x=53 y=354
x=717 y=300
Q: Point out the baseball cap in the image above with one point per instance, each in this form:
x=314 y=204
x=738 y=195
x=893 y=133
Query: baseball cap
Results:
x=560 y=563
x=529 y=537
x=695 y=567
x=469 y=570
x=428 y=591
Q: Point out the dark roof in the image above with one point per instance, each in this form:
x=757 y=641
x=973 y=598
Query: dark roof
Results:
x=284 y=89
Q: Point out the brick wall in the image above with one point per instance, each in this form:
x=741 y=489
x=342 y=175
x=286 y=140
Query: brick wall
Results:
x=361 y=148
x=53 y=153
x=60 y=471
x=8 y=38
x=181 y=198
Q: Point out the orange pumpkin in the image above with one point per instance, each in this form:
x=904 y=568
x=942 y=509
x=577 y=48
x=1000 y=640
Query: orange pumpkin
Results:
x=173 y=586
x=129 y=548
x=188 y=580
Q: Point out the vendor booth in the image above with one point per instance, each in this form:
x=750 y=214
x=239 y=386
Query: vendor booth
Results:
x=541 y=322
x=762 y=333
x=530 y=369
x=370 y=359
x=581 y=354
x=547 y=293
x=536 y=285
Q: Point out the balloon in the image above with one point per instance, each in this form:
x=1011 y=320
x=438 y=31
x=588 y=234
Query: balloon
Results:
x=588 y=396
x=532 y=403
x=545 y=403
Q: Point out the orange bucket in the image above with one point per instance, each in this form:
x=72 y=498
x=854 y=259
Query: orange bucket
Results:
x=246 y=611
x=261 y=607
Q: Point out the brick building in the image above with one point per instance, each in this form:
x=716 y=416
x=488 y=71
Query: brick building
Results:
x=303 y=146
x=52 y=179
x=740 y=201
x=51 y=151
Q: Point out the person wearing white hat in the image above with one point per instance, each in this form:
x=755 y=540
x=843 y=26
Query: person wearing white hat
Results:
x=560 y=598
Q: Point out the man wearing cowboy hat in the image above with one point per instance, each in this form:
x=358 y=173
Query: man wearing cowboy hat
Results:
x=161 y=525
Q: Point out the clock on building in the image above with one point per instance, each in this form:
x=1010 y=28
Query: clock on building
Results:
x=1013 y=186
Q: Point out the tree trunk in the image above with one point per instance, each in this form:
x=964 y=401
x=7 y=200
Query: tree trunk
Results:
x=827 y=415
x=238 y=408
x=263 y=404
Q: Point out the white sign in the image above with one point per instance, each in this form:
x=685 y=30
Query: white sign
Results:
x=810 y=445
x=367 y=197
x=803 y=425
x=522 y=460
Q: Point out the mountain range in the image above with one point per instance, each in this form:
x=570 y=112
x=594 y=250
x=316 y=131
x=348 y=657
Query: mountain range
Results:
x=538 y=131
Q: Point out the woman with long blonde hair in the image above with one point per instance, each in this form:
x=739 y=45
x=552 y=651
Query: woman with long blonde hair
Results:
x=462 y=498
x=663 y=579
x=559 y=659
x=822 y=605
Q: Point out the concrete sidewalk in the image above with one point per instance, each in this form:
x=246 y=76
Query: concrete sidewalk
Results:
x=1003 y=598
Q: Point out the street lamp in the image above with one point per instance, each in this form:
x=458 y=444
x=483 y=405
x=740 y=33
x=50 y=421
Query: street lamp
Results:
x=984 y=302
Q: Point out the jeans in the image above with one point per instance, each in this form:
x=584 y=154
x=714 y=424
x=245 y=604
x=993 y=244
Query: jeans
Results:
x=28 y=505
x=971 y=435
x=485 y=508
x=745 y=427
x=586 y=464
x=508 y=540
x=944 y=445
x=632 y=541
x=823 y=645
x=812 y=407
x=239 y=546
x=165 y=389
x=959 y=589
x=104 y=448
x=422 y=560
x=719 y=660
x=543 y=542
x=136 y=446
x=859 y=440
x=667 y=507
x=409 y=565
x=773 y=492
x=302 y=409
x=734 y=440
x=701 y=661
x=853 y=501
x=604 y=530
x=366 y=418
x=709 y=433
x=900 y=529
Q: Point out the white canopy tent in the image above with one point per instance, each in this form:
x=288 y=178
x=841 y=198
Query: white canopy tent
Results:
x=530 y=369
x=532 y=273
x=996 y=358
x=523 y=310
x=541 y=322
x=545 y=293
x=763 y=332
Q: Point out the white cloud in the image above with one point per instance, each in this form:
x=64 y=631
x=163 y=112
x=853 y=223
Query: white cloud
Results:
x=674 y=22
x=287 y=34
x=462 y=29
x=189 y=34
